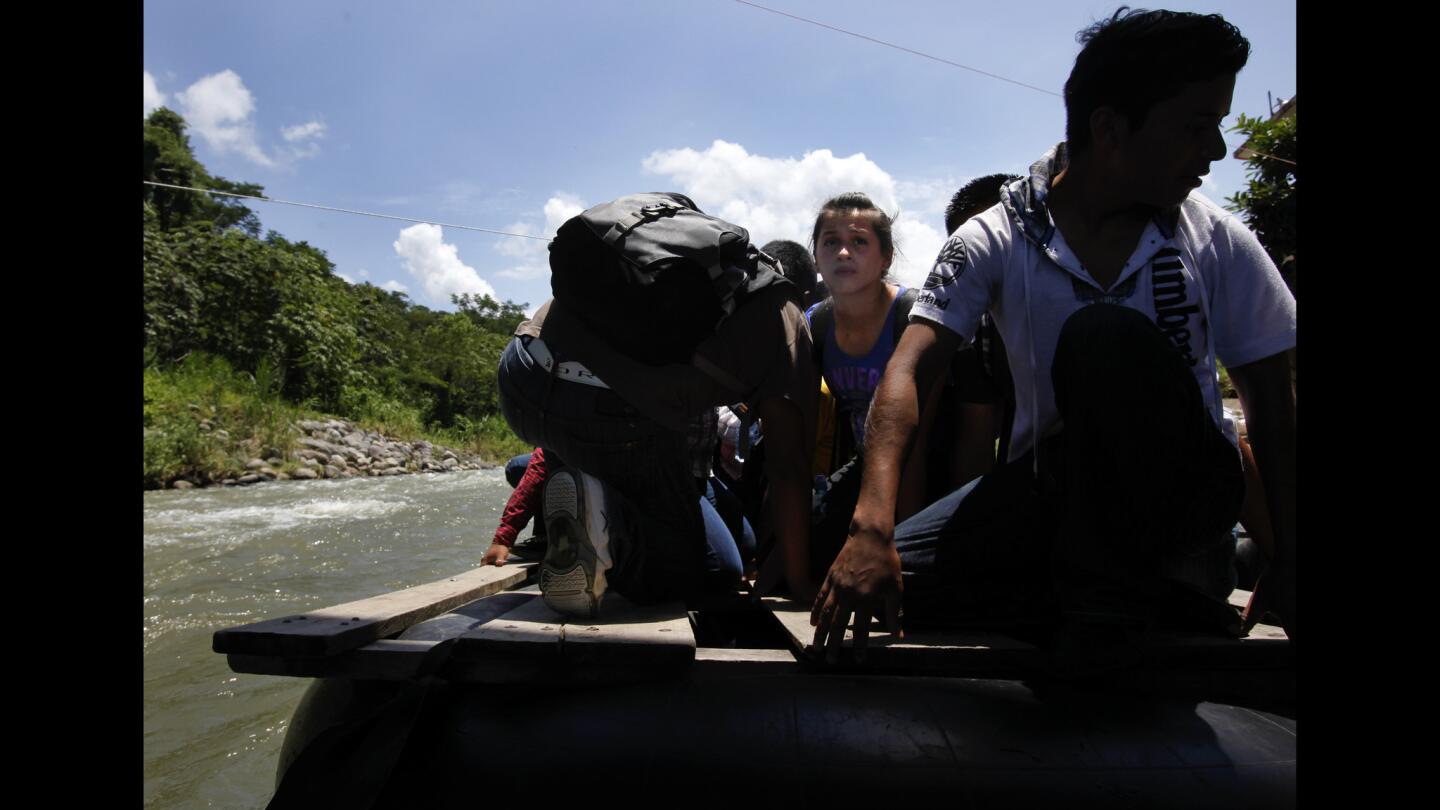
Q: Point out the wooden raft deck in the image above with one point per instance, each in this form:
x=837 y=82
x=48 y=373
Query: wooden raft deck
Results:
x=488 y=627
x=467 y=629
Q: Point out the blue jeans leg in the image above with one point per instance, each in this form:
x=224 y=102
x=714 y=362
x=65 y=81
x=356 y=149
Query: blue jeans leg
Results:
x=515 y=469
x=981 y=555
x=732 y=511
x=722 y=557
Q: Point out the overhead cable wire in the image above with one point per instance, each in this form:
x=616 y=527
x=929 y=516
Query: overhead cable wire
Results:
x=930 y=56
x=898 y=47
x=345 y=210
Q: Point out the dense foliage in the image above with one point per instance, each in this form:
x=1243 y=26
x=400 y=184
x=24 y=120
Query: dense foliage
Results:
x=215 y=291
x=1268 y=203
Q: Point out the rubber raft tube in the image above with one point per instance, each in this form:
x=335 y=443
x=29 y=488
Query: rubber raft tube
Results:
x=791 y=740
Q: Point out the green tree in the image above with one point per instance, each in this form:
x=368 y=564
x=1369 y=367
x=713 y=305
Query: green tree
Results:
x=1268 y=202
x=460 y=361
x=274 y=310
x=488 y=314
x=316 y=342
x=168 y=158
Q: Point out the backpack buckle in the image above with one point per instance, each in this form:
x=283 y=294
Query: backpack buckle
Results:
x=632 y=221
x=657 y=210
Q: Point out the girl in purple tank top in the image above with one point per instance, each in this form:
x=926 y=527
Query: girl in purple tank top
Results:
x=854 y=248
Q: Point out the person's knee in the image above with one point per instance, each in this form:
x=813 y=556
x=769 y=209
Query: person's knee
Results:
x=1110 y=355
x=1099 y=330
x=515 y=469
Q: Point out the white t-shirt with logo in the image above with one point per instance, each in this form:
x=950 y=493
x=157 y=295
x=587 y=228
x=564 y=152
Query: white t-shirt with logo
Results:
x=1240 y=308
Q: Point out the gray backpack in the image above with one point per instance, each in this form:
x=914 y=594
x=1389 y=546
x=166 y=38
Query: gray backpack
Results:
x=654 y=276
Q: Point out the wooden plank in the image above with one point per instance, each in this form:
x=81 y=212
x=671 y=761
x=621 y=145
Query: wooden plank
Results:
x=923 y=651
x=745 y=655
x=520 y=646
x=399 y=659
x=1239 y=598
x=463 y=619
x=384 y=660
x=979 y=654
x=727 y=662
x=653 y=635
x=333 y=630
x=535 y=644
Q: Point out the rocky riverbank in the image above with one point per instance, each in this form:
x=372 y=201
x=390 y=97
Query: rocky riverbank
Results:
x=336 y=448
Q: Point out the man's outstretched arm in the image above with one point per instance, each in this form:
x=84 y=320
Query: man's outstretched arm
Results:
x=865 y=577
x=1269 y=405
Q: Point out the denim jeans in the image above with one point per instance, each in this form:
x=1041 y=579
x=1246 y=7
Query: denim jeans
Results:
x=656 y=526
x=515 y=469
x=734 y=531
x=1129 y=519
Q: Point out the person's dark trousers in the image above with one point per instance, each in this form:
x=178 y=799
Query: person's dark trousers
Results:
x=655 y=526
x=515 y=469
x=830 y=515
x=1129 y=521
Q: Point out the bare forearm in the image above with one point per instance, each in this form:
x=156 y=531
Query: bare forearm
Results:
x=1269 y=405
x=788 y=497
x=789 y=505
x=894 y=422
x=914 y=480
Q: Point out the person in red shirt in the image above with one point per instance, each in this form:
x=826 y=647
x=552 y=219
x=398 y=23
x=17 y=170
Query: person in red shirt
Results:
x=524 y=503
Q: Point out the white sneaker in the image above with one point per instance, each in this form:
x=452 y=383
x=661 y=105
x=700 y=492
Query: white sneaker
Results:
x=572 y=577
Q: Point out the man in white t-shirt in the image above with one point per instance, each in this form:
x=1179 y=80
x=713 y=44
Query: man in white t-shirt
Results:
x=1116 y=289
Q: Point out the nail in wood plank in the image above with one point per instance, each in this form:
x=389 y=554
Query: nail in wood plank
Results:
x=655 y=635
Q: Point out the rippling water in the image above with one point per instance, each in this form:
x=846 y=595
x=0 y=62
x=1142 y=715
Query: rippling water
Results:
x=220 y=557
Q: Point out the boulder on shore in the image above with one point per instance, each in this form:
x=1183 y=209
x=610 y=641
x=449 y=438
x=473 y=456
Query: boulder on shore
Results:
x=336 y=448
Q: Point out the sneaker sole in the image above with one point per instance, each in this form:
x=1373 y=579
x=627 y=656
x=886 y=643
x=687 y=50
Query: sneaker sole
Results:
x=568 y=574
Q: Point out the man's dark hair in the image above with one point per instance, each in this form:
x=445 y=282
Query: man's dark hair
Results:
x=796 y=263
x=974 y=197
x=1138 y=57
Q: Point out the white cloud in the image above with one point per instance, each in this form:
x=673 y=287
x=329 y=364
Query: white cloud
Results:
x=559 y=209
x=345 y=276
x=153 y=97
x=304 y=139
x=777 y=198
x=517 y=246
x=437 y=266
x=925 y=200
x=394 y=286
x=534 y=261
x=919 y=243
x=218 y=108
x=301 y=132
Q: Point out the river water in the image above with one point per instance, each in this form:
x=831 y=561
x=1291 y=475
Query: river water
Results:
x=216 y=558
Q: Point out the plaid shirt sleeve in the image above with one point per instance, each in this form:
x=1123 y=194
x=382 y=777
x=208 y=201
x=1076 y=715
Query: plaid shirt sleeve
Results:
x=524 y=501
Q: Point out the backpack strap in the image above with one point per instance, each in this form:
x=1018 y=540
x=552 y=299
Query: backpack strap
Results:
x=903 y=302
x=822 y=321
x=719 y=375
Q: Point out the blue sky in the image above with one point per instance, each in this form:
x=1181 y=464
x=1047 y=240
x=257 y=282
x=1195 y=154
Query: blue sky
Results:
x=515 y=115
